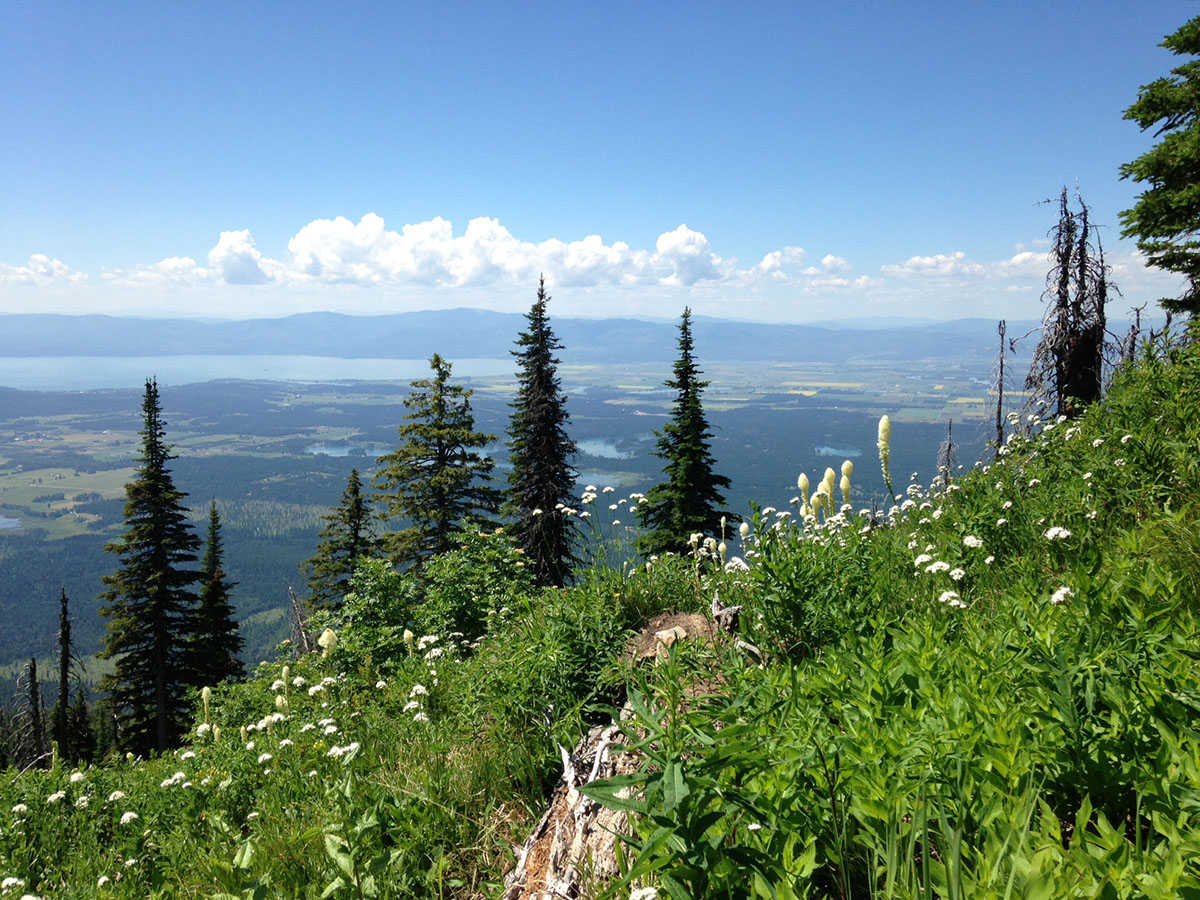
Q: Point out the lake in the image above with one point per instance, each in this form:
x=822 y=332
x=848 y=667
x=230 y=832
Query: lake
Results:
x=72 y=373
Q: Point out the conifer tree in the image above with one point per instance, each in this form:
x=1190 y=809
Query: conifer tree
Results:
x=82 y=738
x=216 y=643
x=690 y=499
x=436 y=480
x=61 y=715
x=149 y=600
x=1166 y=218
x=347 y=538
x=542 y=480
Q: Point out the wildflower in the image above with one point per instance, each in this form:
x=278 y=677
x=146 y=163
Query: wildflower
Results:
x=187 y=754
x=420 y=717
x=922 y=559
x=308 y=726
x=278 y=684
x=1034 y=482
x=937 y=567
x=1062 y=595
x=1006 y=505
x=203 y=729
x=418 y=690
x=298 y=681
x=380 y=685
x=607 y=489
x=1087 y=476
x=315 y=689
x=128 y=817
x=1056 y=533
x=958 y=574
x=972 y=542
x=411 y=705
x=989 y=560
x=56 y=797
x=884 y=443
x=1118 y=462
x=950 y=597
x=1126 y=439
x=736 y=564
x=11 y=883
x=82 y=802
x=616 y=521
x=115 y=796
x=1001 y=522
x=426 y=640
x=102 y=881
x=327 y=641
x=434 y=653
x=331 y=729
x=1098 y=442
x=744 y=530
x=20 y=809
x=643 y=893
x=76 y=777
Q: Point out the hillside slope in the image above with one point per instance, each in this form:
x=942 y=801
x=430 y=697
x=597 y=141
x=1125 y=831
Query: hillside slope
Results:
x=993 y=691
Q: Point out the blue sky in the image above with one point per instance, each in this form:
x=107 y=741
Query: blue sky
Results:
x=790 y=161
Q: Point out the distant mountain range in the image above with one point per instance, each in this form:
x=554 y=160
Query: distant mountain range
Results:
x=474 y=333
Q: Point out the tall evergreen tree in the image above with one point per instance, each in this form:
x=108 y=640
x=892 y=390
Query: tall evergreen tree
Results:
x=347 y=538
x=149 y=600
x=436 y=480
x=1166 y=218
x=61 y=716
x=690 y=499
x=216 y=643
x=542 y=479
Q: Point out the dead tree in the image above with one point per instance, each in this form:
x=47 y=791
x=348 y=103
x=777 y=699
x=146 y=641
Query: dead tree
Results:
x=1068 y=365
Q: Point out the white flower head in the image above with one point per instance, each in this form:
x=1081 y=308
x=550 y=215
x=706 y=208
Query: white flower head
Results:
x=128 y=817
x=56 y=797
x=76 y=777
x=1062 y=595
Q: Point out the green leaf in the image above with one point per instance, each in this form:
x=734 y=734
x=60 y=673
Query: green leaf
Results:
x=338 y=850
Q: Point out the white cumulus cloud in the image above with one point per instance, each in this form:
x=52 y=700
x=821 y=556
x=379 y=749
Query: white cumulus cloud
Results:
x=40 y=270
x=236 y=260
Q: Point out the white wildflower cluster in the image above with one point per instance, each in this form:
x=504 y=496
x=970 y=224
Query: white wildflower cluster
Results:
x=1062 y=595
x=1057 y=533
x=952 y=599
x=177 y=778
x=337 y=752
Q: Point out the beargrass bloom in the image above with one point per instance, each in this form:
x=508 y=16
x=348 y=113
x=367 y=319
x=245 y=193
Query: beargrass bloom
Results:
x=884 y=443
x=327 y=641
x=744 y=530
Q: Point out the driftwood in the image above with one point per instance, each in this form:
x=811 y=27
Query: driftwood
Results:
x=574 y=843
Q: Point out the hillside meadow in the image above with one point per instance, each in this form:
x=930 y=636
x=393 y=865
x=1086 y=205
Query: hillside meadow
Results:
x=990 y=689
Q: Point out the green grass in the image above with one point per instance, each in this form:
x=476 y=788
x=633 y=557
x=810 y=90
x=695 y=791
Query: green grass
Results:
x=992 y=690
